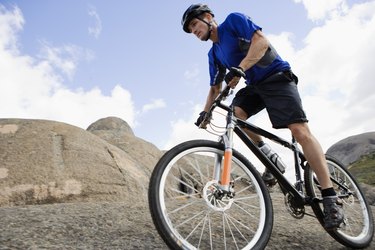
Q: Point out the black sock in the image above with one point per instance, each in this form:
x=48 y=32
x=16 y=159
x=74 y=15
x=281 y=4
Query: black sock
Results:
x=328 y=192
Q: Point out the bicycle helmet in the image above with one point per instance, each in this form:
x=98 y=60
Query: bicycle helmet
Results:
x=192 y=12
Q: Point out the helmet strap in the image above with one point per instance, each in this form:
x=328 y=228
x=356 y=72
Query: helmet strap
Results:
x=208 y=34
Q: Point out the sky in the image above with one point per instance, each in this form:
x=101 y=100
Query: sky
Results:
x=77 y=61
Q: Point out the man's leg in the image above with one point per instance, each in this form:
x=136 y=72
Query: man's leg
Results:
x=313 y=152
x=267 y=177
x=333 y=212
x=240 y=113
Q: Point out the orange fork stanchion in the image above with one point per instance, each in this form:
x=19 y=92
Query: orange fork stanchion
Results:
x=225 y=175
x=226 y=170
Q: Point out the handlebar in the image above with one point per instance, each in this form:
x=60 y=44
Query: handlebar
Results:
x=217 y=102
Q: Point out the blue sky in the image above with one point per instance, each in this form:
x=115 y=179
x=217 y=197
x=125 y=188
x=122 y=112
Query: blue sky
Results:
x=77 y=61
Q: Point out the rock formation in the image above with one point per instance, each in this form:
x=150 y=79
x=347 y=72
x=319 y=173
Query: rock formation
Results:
x=46 y=162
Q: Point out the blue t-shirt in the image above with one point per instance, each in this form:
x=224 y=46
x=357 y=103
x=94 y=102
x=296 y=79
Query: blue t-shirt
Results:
x=235 y=35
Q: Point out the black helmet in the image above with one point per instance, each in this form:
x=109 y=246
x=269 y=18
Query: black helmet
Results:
x=192 y=12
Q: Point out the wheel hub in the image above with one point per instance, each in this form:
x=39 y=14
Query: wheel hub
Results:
x=216 y=198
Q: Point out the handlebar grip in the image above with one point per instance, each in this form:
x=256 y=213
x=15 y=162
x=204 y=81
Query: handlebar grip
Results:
x=206 y=121
x=224 y=93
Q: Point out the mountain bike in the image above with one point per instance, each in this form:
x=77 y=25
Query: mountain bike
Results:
x=206 y=195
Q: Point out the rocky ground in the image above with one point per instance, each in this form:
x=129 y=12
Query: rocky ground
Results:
x=82 y=174
x=128 y=226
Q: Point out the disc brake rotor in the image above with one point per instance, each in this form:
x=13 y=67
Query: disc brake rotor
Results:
x=215 y=197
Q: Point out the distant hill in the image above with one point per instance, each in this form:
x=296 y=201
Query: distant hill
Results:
x=358 y=154
x=351 y=149
x=364 y=169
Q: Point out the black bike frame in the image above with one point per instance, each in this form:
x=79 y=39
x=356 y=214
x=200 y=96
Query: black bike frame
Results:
x=299 y=159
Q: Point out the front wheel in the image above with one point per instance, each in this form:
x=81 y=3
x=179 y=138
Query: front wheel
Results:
x=357 y=229
x=189 y=209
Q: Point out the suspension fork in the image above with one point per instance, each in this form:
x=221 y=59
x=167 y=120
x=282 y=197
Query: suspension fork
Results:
x=223 y=167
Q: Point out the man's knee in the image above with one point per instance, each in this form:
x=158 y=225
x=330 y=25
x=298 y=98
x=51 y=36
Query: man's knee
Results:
x=240 y=113
x=301 y=132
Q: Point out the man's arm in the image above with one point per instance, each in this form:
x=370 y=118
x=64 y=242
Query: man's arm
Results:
x=258 y=47
x=212 y=94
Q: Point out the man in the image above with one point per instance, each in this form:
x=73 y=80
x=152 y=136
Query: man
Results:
x=240 y=46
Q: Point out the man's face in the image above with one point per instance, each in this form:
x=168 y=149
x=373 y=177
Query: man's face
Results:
x=199 y=29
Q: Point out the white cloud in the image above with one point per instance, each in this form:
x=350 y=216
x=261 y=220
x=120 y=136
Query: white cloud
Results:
x=191 y=74
x=184 y=130
x=11 y=22
x=284 y=42
x=335 y=67
x=336 y=73
x=321 y=9
x=155 y=104
x=33 y=88
x=64 y=58
x=96 y=29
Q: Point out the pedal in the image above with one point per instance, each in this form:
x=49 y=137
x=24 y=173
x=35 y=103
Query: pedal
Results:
x=270 y=183
x=269 y=179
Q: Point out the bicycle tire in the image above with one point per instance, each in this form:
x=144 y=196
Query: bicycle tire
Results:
x=187 y=218
x=358 y=228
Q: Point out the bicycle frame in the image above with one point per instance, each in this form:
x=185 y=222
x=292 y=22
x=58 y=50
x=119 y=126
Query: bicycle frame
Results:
x=237 y=126
x=195 y=206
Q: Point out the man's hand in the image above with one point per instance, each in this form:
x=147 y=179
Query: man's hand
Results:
x=201 y=117
x=233 y=76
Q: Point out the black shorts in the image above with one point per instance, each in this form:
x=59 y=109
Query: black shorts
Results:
x=278 y=94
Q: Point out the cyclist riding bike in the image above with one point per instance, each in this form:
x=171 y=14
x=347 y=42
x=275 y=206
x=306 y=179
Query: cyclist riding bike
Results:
x=240 y=46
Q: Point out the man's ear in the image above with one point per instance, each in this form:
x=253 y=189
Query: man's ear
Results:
x=208 y=17
x=211 y=18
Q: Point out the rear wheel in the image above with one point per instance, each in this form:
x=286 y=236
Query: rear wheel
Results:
x=358 y=228
x=189 y=209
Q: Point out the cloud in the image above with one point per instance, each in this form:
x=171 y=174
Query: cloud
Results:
x=321 y=9
x=64 y=58
x=11 y=22
x=335 y=70
x=155 y=104
x=96 y=29
x=184 y=129
x=336 y=74
x=192 y=74
x=33 y=87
